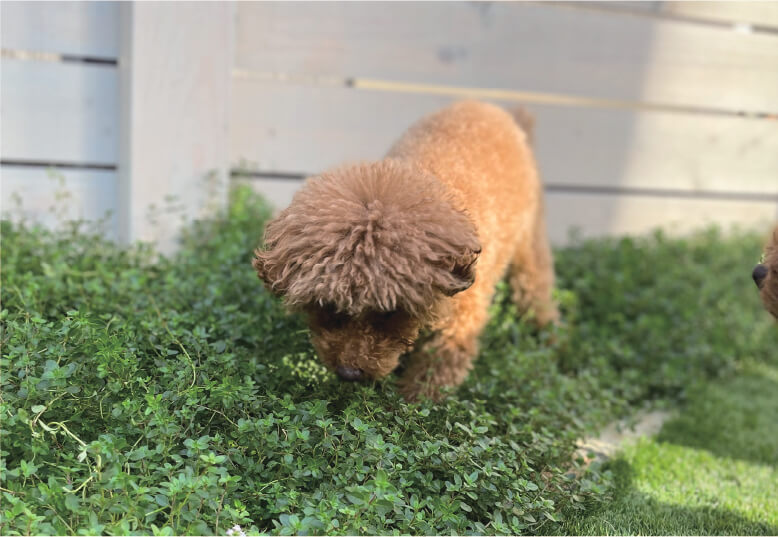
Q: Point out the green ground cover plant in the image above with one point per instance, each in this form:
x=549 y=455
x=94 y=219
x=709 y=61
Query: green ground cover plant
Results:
x=144 y=394
x=712 y=470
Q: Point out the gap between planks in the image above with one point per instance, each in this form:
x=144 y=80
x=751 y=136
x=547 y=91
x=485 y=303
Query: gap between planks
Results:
x=54 y=57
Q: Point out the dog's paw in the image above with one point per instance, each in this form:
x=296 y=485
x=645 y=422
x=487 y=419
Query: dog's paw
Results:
x=434 y=371
x=546 y=316
x=414 y=390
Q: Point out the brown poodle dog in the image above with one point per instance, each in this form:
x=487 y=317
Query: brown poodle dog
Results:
x=766 y=276
x=376 y=253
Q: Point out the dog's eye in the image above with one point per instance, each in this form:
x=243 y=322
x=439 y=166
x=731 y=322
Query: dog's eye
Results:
x=335 y=321
x=329 y=318
x=384 y=317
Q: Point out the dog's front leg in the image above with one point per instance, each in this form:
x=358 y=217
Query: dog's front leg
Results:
x=445 y=359
x=441 y=362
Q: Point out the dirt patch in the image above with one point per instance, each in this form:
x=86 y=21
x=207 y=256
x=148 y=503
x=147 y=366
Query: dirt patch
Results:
x=620 y=433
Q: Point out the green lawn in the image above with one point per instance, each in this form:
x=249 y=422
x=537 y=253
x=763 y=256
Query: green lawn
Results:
x=712 y=470
x=173 y=395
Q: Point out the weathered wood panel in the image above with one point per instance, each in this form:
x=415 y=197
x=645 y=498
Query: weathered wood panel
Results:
x=174 y=95
x=293 y=128
x=743 y=11
x=75 y=28
x=736 y=12
x=53 y=196
x=530 y=47
x=59 y=112
x=594 y=215
x=277 y=191
x=597 y=215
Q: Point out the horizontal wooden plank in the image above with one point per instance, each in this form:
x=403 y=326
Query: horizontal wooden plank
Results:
x=76 y=28
x=600 y=215
x=59 y=112
x=175 y=86
x=52 y=196
x=277 y=191
x=763 y=15
x=292 y=128
x=529 y=47
x=740 y=11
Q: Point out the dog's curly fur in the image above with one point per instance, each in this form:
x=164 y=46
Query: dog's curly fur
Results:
x=374 y=253
x=766 y=276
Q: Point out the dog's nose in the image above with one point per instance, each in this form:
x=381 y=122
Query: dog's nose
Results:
x=348 y=373
x=759 y=274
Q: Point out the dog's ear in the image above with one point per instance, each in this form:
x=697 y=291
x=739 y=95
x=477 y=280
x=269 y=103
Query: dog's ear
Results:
x=452 y=237
x=462 y=272
x=260 y=265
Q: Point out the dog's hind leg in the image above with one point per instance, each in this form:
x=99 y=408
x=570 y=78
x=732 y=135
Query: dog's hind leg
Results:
x=531 y=274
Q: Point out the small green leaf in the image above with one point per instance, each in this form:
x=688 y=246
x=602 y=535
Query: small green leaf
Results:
x=72 y=502
x=28 y=468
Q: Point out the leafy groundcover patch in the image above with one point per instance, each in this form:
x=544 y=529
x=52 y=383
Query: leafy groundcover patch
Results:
x=175 y=396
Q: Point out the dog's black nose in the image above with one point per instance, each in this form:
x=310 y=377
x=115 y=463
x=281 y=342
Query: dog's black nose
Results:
x=759 y=274
x=348 y=373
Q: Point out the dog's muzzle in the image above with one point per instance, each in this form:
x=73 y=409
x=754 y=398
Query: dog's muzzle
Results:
x=759 y=274
x=348 y=373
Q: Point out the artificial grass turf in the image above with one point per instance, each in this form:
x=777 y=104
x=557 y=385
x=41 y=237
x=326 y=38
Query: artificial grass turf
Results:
x=712 y=470
x=176 y=395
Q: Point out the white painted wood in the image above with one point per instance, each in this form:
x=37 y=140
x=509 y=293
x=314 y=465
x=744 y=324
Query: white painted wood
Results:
x=596 y=215
x=293 y=128
x=175 y=81
x=637 y=6
x=514 y=45
x=54 y=196
x=763 y=13
x=76 y=28
x=599 y=215
x=277 y=191
x=59 y=112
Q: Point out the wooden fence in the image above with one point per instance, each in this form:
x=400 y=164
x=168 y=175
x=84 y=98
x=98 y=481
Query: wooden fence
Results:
x=123 y=106
x=648 y=114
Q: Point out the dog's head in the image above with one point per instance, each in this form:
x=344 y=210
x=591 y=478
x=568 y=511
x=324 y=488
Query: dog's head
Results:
x=370 y=253
x=765 y=276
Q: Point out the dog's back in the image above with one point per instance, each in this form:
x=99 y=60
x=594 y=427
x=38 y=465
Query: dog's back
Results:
x=480 y=151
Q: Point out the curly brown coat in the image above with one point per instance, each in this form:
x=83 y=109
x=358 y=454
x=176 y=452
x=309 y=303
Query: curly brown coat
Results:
x=373 y=253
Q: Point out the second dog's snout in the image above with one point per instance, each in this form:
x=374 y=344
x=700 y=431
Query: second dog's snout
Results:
x=759 y=274
x=348 y=373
